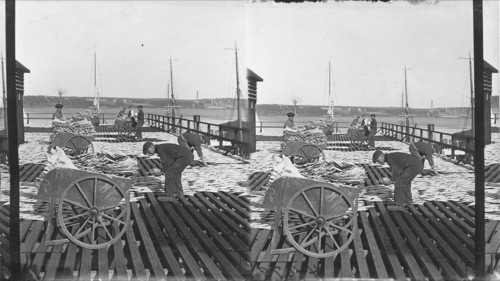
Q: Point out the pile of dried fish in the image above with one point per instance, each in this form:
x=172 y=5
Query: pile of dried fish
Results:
x=313 y=136
x=78 y=127
x=147 y=184
x=355 y=175
x=126 y=167
x=78 y=116
x=326 y=126
x=91 y=162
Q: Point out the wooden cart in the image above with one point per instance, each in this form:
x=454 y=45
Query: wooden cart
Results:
x=90 y=209
x=318 y=219
x=303 y=152
x=73 y=144
x=125 y=129
x=357 y=137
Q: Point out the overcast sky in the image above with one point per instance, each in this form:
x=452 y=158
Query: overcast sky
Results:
x=288 y=45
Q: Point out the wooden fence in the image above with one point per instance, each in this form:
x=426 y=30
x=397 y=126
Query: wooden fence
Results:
x=218 y=132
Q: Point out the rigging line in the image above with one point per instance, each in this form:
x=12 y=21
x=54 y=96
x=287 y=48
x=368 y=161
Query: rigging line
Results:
x=435 y=85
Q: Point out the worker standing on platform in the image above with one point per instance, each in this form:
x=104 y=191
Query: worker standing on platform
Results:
x=423 y=150
x=289 y=122
x=373 y=131
x=140 y=123
x=58 y=113
x=355 y=122
x=404 y=167
x=174 y=159
x=193 y=142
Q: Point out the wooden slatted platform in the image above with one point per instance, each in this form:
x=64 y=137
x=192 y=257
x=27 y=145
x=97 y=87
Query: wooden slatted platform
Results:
x=433 y=241
x=146 y=165
x=199 y=237
x=208 y=236
x=492 y=173
x=29 y=172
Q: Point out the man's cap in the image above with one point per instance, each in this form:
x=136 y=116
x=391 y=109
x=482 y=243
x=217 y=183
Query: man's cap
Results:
x=139 y=106
x=376 y=155
x=373 y=115
x=146 y=147
x=59 y=105
x=290 y=114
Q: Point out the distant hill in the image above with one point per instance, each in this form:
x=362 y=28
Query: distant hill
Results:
x=267 y=109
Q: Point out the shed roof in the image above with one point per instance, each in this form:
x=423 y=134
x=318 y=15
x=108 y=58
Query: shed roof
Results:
x=252 y=75
x=489 y=67
x=22 y=67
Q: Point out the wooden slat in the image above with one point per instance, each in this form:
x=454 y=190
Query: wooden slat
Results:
x=405 y=254
x=236 y=242
x=119 y=257
x=457 y=232
x=313 y=270
x=447 y=270
x=386 y=248
x=227 y=210
x=450 y=237
x=465 y=209
x=238 y=256
x=69 y=262
x=457 y=210
x=154 y=261
x=373 y=249
x=458 y=221
x=31 y=238
x=435 y=234
x=280 y=271
x=53 y=263
x=241 y=201
x=259 y=243
x=359 y=254
x=190 y=263
x=329 y=270
x=345 y=259
x=137 y=264
x=297 y=265
x=102 y=257
x=237 y=208
x=223 y=217
x=207 y=263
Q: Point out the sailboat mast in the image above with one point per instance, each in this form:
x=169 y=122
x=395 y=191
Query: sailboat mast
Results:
x=237 y=84
x=172 y=101
x=96 y=91
x=406 y=110
x=3 y=82
x=471 y=95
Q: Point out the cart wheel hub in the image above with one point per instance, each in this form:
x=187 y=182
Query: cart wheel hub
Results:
x=94 y=212
x=320 y=221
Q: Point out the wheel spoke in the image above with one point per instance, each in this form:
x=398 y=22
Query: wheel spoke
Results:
x=331 y=236
x=309 y=204
x=83 y=194
x=321 y=195
x=114 y=219
x=74 y=217
x=302 y=213
x=308 y=235
x=104 y=226
x=95 y=191
x=340 y=228
x=81 y=227
x=301 y=225
x=75 y=204
x=72 y=142
x=92 y=237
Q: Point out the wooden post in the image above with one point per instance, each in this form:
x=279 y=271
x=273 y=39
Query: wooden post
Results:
x=252 y=103
x=221 y=135
x=261 y=126
x=196 y=119
x=430 y=128
x=208 y=129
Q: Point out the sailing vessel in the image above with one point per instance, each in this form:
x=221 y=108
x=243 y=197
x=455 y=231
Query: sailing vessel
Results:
x=171 y=107
x=405 y=108
x=331 y=111
x=96 y=103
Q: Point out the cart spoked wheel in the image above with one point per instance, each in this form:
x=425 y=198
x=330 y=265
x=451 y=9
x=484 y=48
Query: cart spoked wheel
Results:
x=126 y=131
x=308 y=153
x=320 y=221
x=77 y=145
x=100 y=212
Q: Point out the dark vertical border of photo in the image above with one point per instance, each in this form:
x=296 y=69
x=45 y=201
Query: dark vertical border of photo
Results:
x=479 y=251
x=14 y=230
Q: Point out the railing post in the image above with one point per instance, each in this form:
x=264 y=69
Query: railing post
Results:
x=430 y=128
x=208 y=129
x=28 y=115
x=453 y=147
x=220 y=139
x=261 y=126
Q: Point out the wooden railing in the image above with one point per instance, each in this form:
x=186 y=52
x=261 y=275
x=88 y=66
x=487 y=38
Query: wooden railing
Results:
x=444 y=140
x=220 y=133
